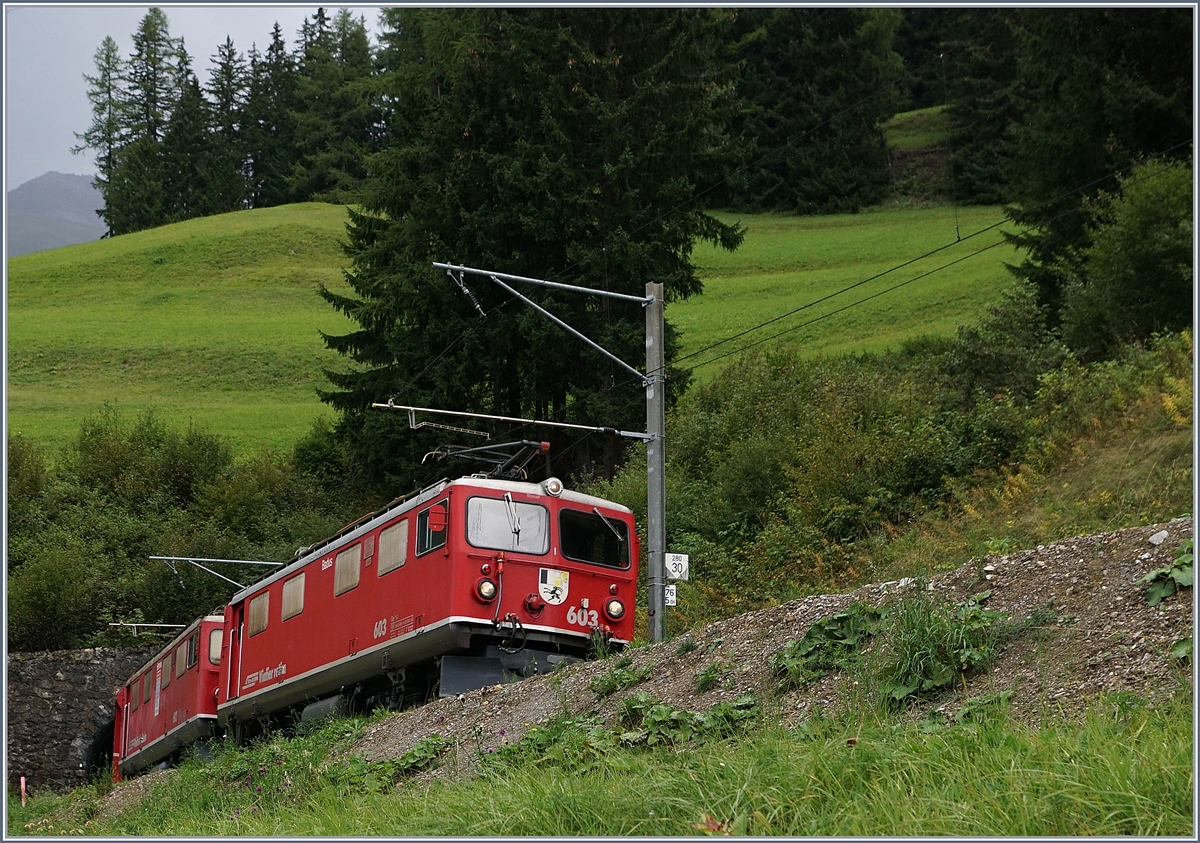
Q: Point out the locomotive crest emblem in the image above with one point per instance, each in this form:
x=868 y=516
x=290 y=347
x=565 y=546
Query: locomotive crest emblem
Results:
x=552 y=585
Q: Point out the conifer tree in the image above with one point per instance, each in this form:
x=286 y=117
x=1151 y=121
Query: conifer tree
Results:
x=269 y=122
x=228 y=90
x=816 y=84
x=335 y=116
x=568 y=145
x=105 y=135
x=136 y=196
x=1105 y=88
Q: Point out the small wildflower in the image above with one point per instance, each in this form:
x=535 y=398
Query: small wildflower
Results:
x=254 y=809
x=501 y=732
x=258 y=789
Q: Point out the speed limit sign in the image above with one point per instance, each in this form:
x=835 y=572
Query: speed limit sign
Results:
x=677 y=566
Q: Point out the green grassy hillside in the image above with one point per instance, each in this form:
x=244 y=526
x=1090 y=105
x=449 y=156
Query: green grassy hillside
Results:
x=216 y=320
x=787 y=263
x=212 y=320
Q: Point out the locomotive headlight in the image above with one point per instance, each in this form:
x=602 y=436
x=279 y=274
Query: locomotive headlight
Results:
x=615 y=609
x=553 y=486
x=486 y=589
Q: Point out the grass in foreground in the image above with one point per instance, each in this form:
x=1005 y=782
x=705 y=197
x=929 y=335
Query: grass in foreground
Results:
x=1124 y=767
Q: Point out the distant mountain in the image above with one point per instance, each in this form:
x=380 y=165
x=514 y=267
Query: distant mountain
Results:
x=53 y=210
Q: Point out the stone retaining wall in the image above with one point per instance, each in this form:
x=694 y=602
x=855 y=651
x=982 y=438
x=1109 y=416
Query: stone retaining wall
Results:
x=59 y=703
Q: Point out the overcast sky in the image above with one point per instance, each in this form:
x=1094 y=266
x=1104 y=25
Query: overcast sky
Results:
x=49 y=47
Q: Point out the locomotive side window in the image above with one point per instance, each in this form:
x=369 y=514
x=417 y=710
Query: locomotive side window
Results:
x=346 y=570
x=293 y=597
x=214 y=647
x=393 y=547
x=181 y=659
x=593 y=538
x=503 y=524
x=147 y=688
x=431 y=528
x=166 y=670
x=258 y=612
x=193 y=649
x=135 y=694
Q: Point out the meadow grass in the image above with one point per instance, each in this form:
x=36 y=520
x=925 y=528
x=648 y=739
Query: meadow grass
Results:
x=1121 y=767
x=923 y=128
x=216 y=321
x=791 y=264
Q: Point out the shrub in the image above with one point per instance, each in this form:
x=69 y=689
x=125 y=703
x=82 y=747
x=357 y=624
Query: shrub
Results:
x=1135 y=278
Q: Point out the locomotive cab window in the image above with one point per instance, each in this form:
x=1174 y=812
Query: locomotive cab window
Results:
x=214 y=647
x=504 y=524
x=166 y=670
x=393 y=547
x=431 y=527
x=594 y=538
x=135 y=694
x=193 y=651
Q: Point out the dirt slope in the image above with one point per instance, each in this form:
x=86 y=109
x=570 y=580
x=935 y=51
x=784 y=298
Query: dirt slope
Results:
x=1097 y=634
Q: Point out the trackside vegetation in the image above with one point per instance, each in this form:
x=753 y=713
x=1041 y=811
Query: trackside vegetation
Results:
x=1123 y=767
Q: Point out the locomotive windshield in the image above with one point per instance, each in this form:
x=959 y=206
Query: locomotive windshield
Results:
x=593 y=537
x=504 y=524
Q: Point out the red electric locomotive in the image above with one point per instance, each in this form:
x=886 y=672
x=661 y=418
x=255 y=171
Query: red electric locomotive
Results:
x=170 y=702
x=471 y=582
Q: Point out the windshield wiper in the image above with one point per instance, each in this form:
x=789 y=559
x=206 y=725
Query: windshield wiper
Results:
x=514 y=523
x=608 y=521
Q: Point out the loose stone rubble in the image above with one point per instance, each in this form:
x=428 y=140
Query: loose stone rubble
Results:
x=1095 y=633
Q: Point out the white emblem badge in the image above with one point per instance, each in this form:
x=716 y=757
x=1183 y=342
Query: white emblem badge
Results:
x=552 y=585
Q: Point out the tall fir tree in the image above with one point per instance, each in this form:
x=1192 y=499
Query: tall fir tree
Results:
x=268 y=125
x=227 y=91
x=106 y=134
x=192 y=155
x=816 y=85
x=568 y=145
x=136 y=197
x=335 y=116
x=1104 y=89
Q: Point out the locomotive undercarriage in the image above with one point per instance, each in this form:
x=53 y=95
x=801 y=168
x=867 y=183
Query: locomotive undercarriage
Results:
x=477 y=655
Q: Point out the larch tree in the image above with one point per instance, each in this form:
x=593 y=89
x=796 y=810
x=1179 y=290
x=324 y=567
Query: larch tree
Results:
x=105 y=136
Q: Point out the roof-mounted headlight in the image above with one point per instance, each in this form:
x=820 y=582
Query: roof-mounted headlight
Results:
x=552 y=486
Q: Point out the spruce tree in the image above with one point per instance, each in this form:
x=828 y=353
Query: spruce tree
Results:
x=137 y=197
x=228 y=90
x=269 y=123
x=335 y=116
x=569 y=145
x=816 y=84
x=1105 y=88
